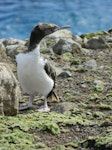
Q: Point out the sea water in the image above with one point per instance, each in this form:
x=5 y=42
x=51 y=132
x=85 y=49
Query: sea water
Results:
x=18 y=17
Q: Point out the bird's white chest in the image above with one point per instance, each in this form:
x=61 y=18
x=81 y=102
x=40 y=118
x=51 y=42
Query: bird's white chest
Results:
x=31 y=74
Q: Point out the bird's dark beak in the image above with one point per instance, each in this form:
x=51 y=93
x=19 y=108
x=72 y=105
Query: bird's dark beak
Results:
x=61 y=28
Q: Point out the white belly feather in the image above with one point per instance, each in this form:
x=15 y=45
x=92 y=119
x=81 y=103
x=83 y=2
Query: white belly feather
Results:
x=31 y=74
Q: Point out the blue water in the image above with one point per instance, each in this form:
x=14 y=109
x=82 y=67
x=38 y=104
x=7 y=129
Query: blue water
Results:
x=18 y=17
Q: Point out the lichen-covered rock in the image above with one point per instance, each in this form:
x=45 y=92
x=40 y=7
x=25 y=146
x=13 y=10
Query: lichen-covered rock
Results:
x=12 y=41
x=63 y=36
x=3 y=55
x=77 y=39
x=66 y=45
x=12 y=46
x=95 y=34
x=96 y=43
x=13 y=50
x=9 y=91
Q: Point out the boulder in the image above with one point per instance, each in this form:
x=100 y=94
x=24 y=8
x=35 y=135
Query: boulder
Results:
x=63 y=36
x=3 y=56
x=12 y=41
x=12 y=46
x=9 y=91
x=78 y=39
x=96 y=43
x=66 y=45
x=13 y=50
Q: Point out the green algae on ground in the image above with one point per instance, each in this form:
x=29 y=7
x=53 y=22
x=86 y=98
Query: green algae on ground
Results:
x=14 y=130
x=103 y=140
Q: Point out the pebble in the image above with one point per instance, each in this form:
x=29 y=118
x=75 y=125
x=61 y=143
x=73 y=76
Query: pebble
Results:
x=91 y=64
x=65 y=74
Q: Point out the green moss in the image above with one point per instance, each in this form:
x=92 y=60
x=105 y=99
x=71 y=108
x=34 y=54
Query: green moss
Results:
x=60 y=147
x=67 y=56
x=90 y=35
x=98 y=88
x=94 y=97
x=49 y=43
x=104 y=141
x=75 y=62
x=73 y=144
x=14 y=130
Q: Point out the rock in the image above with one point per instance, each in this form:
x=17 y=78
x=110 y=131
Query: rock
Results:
x=13 y=50
x=98 y=82
x=12 y=41
x=91 y=64
x=12 y=46
x=60 y=42
x=77 y=39
x=3 y=56
x=9 y=91
x=65 y=74
x=61 y=34
x=66 y=45
x=63 y=107
x=98 y=85
x=96 y=43
x=94 y=34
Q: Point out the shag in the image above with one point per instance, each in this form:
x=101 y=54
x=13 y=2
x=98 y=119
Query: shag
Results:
x=36 y=75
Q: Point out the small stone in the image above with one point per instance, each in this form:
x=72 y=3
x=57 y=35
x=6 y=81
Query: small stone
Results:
x=65 y=74
x=98 y=85
x=91 y=64
x=63 y=107
x=98 y=82
x=83 y=86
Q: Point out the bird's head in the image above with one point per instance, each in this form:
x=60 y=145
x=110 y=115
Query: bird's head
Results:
x=41 y=30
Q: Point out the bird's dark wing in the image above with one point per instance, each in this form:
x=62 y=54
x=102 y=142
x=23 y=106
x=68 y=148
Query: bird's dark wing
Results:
x=50 y=71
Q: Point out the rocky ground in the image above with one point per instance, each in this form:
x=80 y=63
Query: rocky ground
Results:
x=82 y=120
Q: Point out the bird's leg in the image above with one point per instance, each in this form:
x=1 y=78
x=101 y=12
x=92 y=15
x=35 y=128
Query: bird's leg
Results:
x=44 y=108
x=31 y=101
x=29 y=105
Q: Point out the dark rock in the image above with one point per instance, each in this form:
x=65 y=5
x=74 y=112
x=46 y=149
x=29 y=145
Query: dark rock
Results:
x=65 y=74
x=66 y=45
x=96 y=43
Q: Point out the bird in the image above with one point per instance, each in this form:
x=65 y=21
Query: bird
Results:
x=36 y=75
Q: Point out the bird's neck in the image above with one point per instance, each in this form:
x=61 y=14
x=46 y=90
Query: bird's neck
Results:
x=35 y=52
x=34 y=40
x=33 y=45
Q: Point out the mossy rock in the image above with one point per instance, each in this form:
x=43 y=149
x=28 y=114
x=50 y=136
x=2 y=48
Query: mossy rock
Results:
x=95 y=34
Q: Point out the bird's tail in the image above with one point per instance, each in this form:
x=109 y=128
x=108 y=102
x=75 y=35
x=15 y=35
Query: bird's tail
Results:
x=52 y=97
